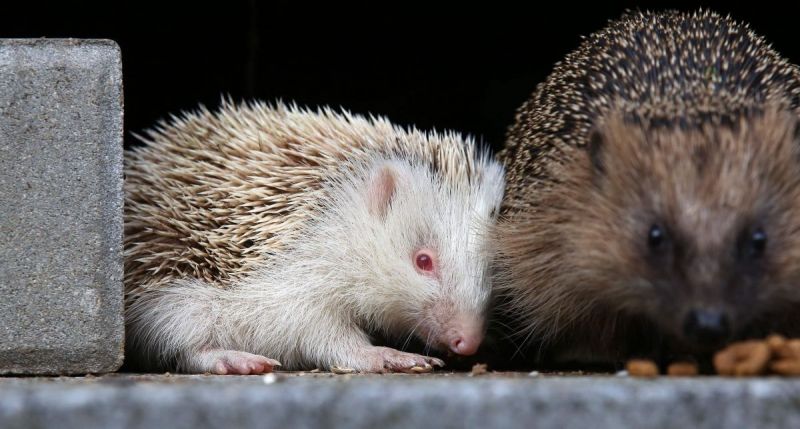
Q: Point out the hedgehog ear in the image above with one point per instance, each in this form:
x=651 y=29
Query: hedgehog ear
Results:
x=595 y=145
x=381 y=190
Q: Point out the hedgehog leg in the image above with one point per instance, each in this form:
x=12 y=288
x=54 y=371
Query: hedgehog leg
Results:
x=222 y=362
x=386 y=359
x=339 y=342
x=179 y=327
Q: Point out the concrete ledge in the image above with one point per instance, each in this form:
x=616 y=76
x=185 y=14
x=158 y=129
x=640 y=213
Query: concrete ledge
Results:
x=398 y=401
x=60 y=206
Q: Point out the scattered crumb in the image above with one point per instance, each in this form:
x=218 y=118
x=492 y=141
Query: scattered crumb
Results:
x=478 y=369
x=269 y=378
x=337 y=370
x=315 y=370
x=622 y=373
x=533 y=374
x=682 y=369
x=642 y=368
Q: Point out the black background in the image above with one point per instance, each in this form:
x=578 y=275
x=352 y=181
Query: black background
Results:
x=461 y=66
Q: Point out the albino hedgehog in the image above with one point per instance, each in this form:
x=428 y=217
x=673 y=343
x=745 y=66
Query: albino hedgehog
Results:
x=264 y=234
x=653 y=199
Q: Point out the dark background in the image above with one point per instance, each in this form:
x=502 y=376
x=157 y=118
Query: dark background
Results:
x=459 y=66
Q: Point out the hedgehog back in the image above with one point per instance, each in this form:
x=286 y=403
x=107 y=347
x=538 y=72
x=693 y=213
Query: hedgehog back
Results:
x=668 y=68
x=210 y=194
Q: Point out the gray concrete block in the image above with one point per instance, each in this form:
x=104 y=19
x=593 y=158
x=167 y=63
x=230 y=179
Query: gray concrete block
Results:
x=60 y=206
x=389 y=401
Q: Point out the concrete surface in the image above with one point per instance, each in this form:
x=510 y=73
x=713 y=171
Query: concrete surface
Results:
x=398 y=401
x=60 y=206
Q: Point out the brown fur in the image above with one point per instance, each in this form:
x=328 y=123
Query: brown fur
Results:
x=590 y=266
x=685 y=120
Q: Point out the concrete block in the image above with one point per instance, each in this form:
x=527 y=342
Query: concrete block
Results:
x=398 y=401
x=60 y=206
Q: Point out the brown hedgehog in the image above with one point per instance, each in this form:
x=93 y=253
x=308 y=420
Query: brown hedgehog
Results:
x=653 y=197
x=259 y=232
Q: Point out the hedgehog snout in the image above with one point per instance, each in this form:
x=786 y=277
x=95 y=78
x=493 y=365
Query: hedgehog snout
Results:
x=463 y=336
x=707 y=326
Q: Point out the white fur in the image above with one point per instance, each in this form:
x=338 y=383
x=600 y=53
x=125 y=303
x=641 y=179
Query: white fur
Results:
x=349 y=273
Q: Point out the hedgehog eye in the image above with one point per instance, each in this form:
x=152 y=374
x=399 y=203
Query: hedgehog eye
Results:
x=423 y=260
x=655 y=237
x=758 y=243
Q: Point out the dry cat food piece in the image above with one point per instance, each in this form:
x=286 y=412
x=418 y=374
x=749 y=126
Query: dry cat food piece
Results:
x=785 y=355
x=776 y=342
x=342 y=370
x=682 y=369
x=776 y=353
x=743 y=359
x=787 y=349
x=642 y=368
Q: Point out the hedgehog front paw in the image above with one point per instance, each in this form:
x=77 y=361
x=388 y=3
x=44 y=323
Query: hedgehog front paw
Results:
x=385 y=359
x=224 y=362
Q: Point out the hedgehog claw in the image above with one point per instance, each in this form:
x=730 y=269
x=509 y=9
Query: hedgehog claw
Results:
x=385 y=359
x=224 y=362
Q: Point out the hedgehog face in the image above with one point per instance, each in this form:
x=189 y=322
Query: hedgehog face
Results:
x=693 y=228
x=424 y=241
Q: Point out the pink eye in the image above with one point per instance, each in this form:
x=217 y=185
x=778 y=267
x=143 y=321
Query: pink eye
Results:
x=424 y=261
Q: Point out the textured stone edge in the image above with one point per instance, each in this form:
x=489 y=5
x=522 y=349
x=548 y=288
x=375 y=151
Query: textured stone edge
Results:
x=60 y=41
x=395 y=402
x=117 y=210
x=115 y=199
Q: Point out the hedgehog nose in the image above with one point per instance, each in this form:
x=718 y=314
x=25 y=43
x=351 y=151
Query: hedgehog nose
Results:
x=464 y=336
x=464 y=345
x=707 y=326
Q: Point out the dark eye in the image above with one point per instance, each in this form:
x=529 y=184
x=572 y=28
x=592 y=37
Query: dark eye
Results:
x=655 y=237
x=424 y=261
x=758 y=243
